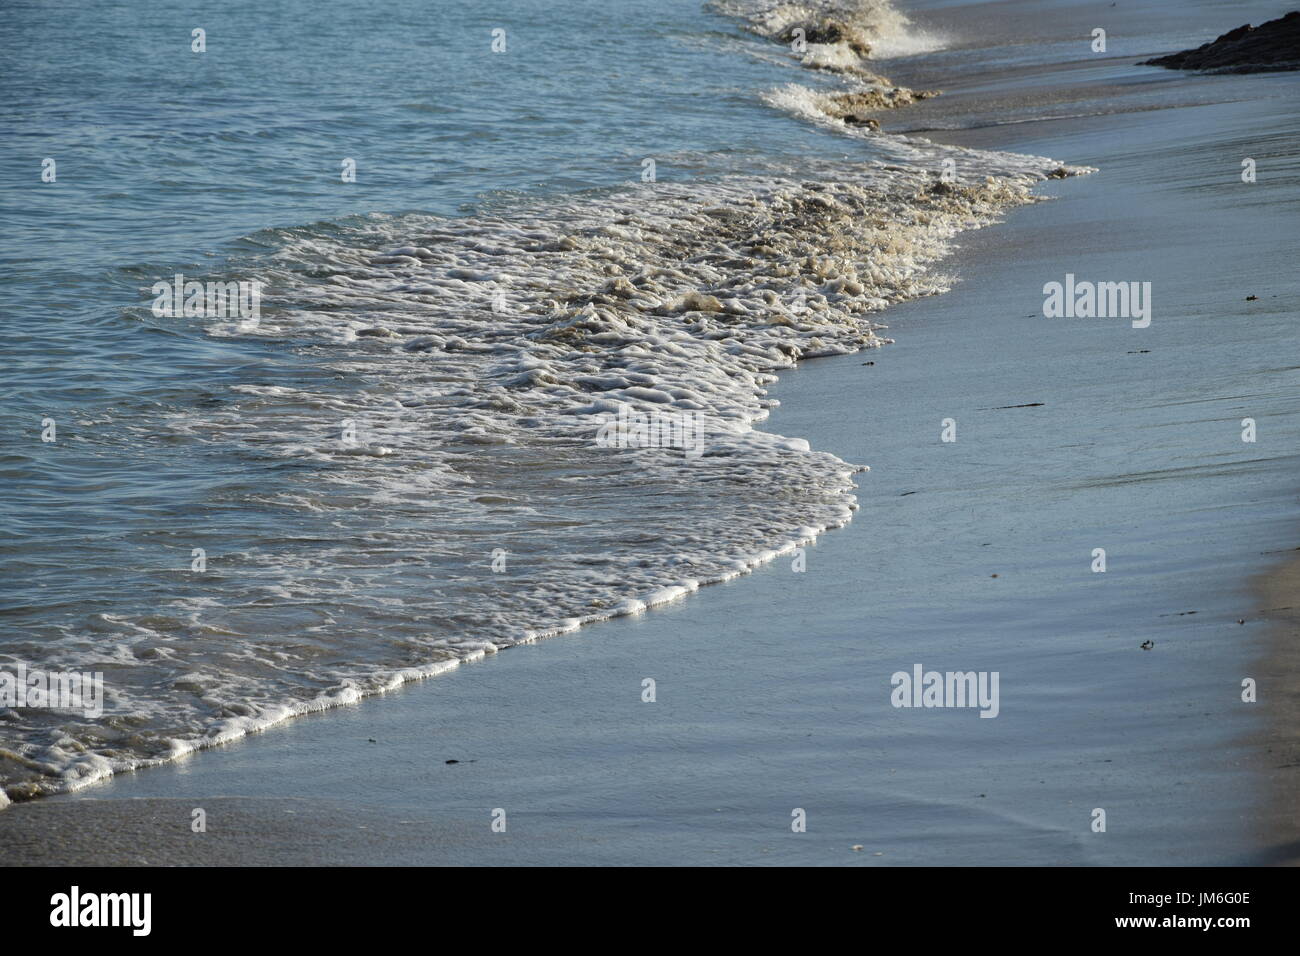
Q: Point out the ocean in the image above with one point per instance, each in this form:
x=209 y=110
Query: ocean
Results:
x=521 y=275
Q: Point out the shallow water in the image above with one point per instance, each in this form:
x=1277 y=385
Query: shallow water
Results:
x=397 y=468
x=388 y=463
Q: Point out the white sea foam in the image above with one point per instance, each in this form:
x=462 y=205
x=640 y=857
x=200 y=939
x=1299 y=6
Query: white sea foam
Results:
x=847 y=38
x=434 y=439
x=476 y=359
x=876 y=18
x=872 y=29
x=911 y=42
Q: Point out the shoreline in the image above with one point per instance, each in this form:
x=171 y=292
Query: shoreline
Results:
x=252 y=817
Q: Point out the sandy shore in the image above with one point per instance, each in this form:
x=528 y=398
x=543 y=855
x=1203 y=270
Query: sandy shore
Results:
x=773 y=690
x=1279 y=753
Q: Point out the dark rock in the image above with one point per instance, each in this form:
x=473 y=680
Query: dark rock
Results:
x=857 y=119
x=827 y=30
x=1271 y=46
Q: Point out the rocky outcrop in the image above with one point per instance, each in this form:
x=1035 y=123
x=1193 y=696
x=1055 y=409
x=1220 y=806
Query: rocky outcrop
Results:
x=1271 y=46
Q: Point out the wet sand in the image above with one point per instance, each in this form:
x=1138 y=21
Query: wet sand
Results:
x=1279 y=753
x=773 y=690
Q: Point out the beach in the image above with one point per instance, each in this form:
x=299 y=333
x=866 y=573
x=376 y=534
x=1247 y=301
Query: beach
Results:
x=1120 y=690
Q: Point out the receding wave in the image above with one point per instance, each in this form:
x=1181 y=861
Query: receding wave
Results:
x=475 y=361
x=435 y=436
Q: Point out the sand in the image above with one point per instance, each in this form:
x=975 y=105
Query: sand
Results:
x=1278 y=820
